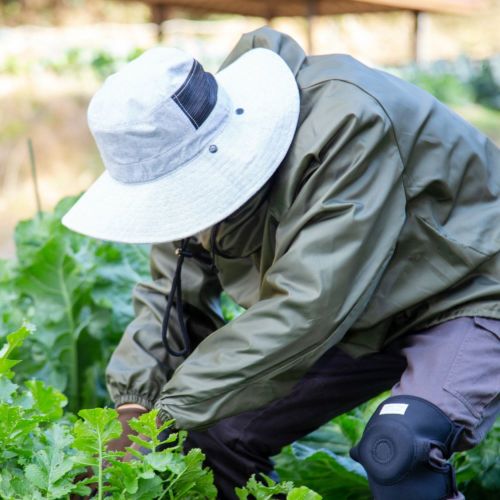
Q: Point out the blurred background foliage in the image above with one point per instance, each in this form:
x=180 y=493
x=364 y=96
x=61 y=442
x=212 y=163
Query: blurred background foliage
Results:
x=55 y=53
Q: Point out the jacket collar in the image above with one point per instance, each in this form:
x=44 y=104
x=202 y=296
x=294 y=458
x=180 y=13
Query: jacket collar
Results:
x=240 y=234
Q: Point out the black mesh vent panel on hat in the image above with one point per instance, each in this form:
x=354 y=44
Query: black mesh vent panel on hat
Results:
x=197 y=95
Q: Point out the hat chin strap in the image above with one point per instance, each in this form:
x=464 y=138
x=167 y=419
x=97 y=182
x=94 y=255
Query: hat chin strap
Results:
x=176 y=290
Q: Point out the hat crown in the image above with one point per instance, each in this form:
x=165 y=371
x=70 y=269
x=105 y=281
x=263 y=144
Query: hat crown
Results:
x=155 y=114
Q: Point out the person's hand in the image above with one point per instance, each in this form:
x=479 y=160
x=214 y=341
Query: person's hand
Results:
x=125 y=413
x=162 y=436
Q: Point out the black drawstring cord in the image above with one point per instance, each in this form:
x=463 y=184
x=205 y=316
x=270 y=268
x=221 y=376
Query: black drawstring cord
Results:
x=213 y=235
x=214 y=250
x=176 y=290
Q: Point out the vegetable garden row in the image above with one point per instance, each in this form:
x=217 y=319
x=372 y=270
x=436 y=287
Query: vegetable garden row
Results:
x=54 y=424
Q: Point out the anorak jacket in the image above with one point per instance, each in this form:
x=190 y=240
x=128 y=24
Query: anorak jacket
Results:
x=384 y=217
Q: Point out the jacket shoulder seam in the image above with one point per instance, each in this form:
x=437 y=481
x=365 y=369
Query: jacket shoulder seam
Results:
x=380 y=105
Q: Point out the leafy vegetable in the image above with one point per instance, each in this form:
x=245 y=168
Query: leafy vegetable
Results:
x=14 y=340
x=50 y=469
x=331 y=475
x=44 y=453
x=77 y=291
x=92 y=435
x=478 y=470
x=269 y=489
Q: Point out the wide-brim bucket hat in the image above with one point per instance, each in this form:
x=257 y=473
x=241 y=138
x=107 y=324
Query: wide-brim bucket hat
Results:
x=184 y=149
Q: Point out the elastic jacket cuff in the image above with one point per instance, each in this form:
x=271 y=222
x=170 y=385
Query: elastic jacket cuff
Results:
x=164 y=415
x=134 y=398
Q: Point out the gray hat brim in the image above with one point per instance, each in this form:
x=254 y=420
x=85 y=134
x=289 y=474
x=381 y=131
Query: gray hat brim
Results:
x=211 y=186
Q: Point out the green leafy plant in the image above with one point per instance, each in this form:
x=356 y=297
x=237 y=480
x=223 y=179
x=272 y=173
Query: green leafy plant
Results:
x=34 y=458
x=485 y=86
x=478 y=470
x=45 y=454
x=42 y=452
x=14 y=340
x=150 y=474
x=269 y=489
x=77 y=291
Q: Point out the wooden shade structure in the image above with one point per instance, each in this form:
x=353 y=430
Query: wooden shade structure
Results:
x=270 y=9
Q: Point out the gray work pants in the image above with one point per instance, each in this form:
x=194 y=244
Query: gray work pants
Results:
x=455 y=365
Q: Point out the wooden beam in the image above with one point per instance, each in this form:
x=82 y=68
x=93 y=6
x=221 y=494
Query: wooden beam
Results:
x=159 y=14
x=417 y=27
x=311 y=12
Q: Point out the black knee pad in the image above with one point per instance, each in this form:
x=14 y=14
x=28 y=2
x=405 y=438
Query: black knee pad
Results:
x=404 y=450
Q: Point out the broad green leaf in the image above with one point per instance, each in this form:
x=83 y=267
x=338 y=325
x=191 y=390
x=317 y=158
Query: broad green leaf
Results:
x=351 y=426
x=149 y=488
x=331 y=437
x=14 y=340
x=166 y=461
x=478 y=470
x=92 y=435
x=13 y=484
x=123 y=477
x=323 y=471
x=303 y=493
x=13 y=427
x=193 y=481
x=77 y=291
x=117 y=269
x=98 y=427
x=81 y=490
x=49 y=472
x=49 y=403
x=58 y=436
x=56 y=283
x=7 y=389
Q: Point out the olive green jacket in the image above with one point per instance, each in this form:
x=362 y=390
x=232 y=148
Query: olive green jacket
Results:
x=383 y=217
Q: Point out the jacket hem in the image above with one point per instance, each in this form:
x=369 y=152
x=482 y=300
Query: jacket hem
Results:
x=487 y=311
x=135 y=399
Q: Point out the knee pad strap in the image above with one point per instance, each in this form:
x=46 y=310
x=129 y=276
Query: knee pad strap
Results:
x=404 y=450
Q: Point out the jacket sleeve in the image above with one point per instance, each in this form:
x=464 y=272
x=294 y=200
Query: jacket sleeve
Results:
x=139 y=366
x=332 y=247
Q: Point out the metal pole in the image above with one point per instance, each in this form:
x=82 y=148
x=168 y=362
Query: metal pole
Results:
x=159 y=14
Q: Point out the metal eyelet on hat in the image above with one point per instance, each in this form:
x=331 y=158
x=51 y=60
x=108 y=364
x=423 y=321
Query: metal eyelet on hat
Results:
x=213 y=148
x=239 y=111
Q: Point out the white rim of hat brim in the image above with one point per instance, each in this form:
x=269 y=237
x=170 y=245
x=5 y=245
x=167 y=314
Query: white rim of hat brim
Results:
x=212 y=185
